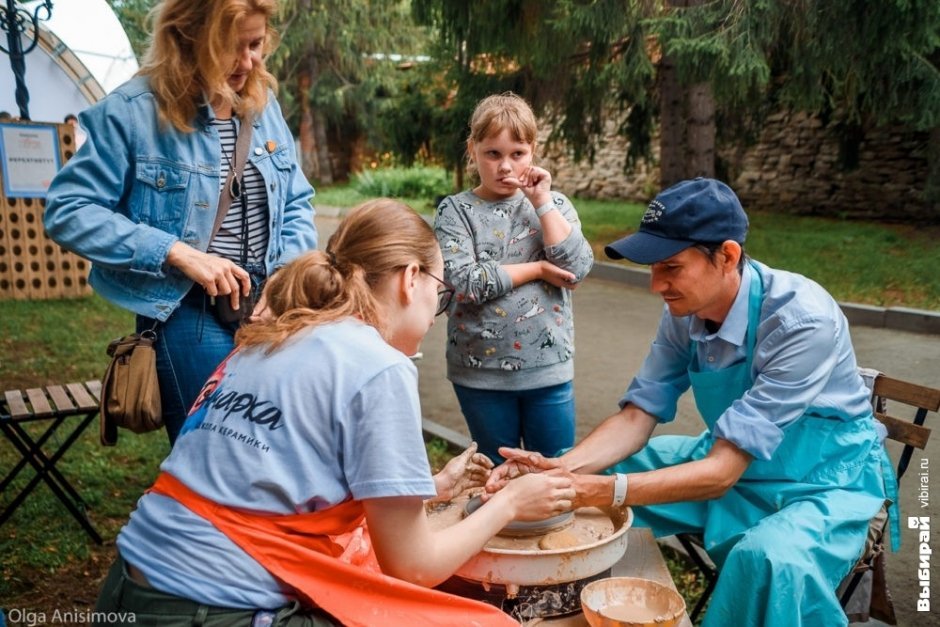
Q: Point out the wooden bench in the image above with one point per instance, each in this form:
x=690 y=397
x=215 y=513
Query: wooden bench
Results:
x=644 y=559
x=71 y=408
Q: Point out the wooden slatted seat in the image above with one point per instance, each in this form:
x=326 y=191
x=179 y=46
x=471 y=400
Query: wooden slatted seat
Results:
x=890 y=398
x=71 y=408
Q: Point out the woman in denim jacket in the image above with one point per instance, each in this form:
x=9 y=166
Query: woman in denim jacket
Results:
x=141 y=196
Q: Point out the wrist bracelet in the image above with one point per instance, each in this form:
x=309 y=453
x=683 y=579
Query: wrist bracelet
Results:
x=543 y=209
x=620 y=489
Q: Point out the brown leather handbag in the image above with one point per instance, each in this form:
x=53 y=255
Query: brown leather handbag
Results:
x=130 y=391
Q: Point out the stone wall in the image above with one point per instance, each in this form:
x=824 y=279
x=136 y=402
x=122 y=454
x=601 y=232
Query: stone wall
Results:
x=795 y=166
x=606 y=178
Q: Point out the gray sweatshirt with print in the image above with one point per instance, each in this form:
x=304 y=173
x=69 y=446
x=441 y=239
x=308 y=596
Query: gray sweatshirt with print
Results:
x=502 y=337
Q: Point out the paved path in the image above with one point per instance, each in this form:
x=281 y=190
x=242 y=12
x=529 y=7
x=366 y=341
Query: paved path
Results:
x=614 y=325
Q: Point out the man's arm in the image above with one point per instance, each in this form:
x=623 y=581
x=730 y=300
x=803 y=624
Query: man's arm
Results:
x=615 y=439
x=698 y=480
x=625 y=433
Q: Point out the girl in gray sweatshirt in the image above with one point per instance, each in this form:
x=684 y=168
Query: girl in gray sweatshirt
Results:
x=514 y=250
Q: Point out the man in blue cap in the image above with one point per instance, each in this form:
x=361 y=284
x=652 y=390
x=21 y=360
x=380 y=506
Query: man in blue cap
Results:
x=791 y=468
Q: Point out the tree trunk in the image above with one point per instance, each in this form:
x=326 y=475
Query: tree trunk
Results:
x=687 y=121
x=932 y=188
x=700 y=132
x=671 y=121
x=308 y=157
x=321 y=143
x=324 y=165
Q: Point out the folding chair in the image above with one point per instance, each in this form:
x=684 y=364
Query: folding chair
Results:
x=911 y=434
x=56 y=404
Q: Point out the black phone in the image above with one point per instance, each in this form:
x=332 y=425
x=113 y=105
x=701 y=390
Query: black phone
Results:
x=222 y=306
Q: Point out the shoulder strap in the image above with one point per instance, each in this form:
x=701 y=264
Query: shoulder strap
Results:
x=242 y=142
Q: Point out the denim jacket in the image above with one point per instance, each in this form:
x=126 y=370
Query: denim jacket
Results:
x=138 y=186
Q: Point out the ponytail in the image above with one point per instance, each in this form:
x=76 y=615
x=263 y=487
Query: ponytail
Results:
x=375 y=239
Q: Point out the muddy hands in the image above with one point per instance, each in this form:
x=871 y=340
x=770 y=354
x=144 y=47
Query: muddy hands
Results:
x=467 y=470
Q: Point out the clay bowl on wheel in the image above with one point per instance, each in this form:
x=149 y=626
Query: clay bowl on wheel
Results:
x=631 y=602
x=537 y=566
x=521 y=528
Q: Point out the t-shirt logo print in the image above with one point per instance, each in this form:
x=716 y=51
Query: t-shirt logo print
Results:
x=653 y=212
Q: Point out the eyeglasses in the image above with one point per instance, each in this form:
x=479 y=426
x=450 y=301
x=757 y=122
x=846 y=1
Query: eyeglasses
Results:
x=444 y=294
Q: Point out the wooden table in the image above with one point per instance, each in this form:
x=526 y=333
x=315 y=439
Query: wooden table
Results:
x=642 y=559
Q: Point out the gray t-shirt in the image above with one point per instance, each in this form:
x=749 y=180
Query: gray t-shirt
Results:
x=500 y=336
x=332 y=414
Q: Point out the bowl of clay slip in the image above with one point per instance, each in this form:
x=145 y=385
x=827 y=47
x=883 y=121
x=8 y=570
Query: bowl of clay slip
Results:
x=631 y=602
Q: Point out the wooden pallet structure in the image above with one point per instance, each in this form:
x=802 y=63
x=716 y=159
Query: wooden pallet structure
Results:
x=32 y=266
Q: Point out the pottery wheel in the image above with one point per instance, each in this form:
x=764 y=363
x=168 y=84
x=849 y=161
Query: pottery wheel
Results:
x=519 y=528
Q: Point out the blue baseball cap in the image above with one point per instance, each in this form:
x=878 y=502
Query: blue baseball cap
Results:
x=696 y=211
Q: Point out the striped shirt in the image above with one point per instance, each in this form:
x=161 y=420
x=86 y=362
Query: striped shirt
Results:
x=228 y=241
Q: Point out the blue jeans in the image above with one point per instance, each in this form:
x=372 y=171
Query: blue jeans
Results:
x=538 y=420
x=190 y=344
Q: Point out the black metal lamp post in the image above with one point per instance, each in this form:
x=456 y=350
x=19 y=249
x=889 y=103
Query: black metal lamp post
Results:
x=15 y=21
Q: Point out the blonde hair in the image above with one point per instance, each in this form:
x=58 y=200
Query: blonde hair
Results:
x=375 y=239
x=191 y=52
x=505 y=111
x=497 y=113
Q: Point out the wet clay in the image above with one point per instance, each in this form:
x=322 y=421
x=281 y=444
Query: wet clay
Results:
x=632 y=601
x=632 y=613
x=563 y=539
x=589 y=525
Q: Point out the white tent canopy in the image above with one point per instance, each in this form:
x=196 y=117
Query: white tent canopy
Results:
x=83 y=54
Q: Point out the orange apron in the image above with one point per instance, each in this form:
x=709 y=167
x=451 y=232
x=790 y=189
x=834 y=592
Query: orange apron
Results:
x=327 y=558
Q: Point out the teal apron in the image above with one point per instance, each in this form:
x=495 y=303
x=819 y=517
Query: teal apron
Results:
x=793 y=526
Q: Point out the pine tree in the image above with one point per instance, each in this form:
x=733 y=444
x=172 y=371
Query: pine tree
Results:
x=333 y=63
x=680 y=61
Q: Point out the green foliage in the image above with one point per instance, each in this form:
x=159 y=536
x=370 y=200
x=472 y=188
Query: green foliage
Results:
x=689 y=580
x=474 y=62
x=423 y=182
x=439 y=453
x=873 y=61
x=133 y=15
x=337 y=196
x=406 y=122
x=579 y=61
x=345 y=48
